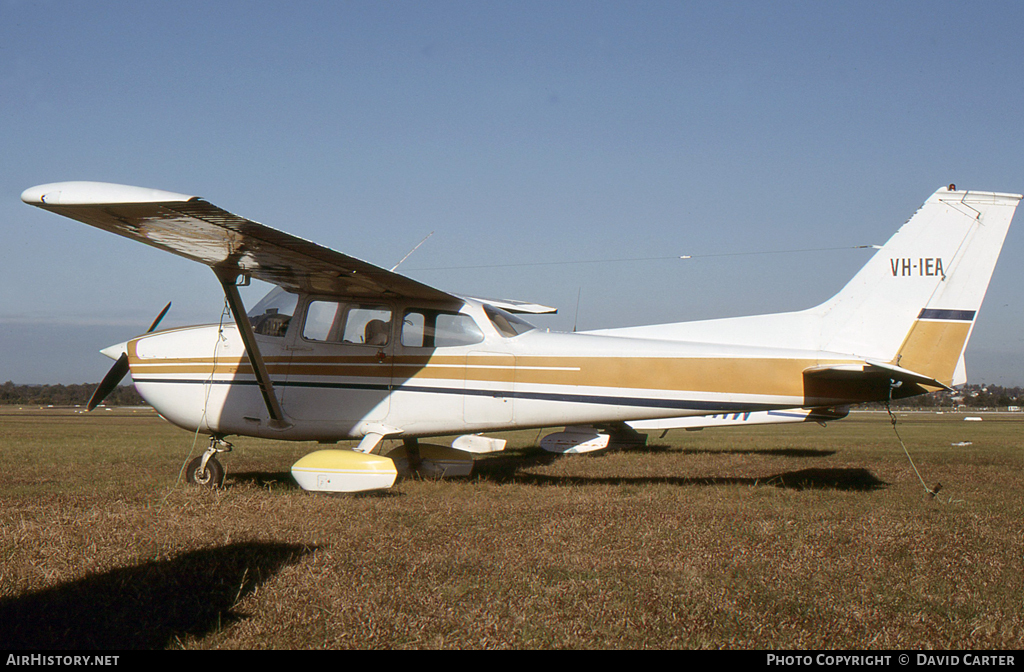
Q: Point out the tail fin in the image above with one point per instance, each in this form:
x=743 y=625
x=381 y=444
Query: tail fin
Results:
x=914 y=303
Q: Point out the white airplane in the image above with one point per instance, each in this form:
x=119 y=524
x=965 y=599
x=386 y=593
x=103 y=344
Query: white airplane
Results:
x=341 y=349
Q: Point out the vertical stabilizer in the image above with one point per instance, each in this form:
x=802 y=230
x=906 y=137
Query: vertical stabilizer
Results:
x=915 y=302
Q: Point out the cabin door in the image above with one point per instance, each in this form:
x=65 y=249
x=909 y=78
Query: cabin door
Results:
x=340 y=370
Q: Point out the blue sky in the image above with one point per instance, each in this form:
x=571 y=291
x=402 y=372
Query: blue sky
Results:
x=519 y=133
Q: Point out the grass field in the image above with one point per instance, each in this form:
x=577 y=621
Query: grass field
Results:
x=783 y=537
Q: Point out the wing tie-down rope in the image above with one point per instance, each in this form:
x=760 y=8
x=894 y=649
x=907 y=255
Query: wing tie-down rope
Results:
x=931 y=493
x=224 y=313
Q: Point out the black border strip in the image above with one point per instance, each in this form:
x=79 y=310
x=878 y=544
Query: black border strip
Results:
x=942 y=314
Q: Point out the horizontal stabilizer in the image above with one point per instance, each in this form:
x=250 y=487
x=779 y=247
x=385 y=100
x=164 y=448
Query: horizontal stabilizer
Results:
x=870 y=372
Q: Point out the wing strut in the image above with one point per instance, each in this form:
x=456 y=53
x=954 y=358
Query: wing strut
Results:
x=227 y=278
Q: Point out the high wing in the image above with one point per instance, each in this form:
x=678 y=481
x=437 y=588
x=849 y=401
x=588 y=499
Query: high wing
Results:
x=198 y=230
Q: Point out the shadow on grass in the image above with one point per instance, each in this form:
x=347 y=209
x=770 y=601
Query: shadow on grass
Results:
x=283 y=480
x=777 y=452
x=505 y=467
x=264 y=479
x=510 y=469
x=145 y=606
x=655 y=448
x=805 y=479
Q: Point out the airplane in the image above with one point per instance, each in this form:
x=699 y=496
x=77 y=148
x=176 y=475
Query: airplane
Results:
x=341 y=349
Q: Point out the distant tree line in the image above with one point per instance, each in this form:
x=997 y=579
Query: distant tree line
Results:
x=981 y=396
x=65 y=395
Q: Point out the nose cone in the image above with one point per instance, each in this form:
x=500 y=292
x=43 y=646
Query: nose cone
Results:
x=115 y=351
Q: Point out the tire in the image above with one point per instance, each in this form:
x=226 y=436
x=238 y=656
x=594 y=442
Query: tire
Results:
x=212 y=478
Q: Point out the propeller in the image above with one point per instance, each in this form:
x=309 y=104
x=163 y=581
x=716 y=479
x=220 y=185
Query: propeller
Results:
x=119 y=370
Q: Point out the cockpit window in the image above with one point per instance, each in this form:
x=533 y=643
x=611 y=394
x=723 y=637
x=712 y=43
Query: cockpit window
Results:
x=272 y=315
x=507 y=324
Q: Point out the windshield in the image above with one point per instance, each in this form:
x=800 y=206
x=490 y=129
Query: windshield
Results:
x=272 y=315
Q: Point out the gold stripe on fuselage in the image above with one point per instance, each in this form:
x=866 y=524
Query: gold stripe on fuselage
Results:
x=731 y=375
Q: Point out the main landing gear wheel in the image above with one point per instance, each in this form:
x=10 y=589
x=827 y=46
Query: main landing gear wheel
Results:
x=210 y=477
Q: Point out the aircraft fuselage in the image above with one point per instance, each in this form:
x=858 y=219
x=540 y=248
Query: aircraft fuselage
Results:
x=416 y=382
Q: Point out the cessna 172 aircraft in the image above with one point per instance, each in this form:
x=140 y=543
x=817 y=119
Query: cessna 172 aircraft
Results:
x=342 y=349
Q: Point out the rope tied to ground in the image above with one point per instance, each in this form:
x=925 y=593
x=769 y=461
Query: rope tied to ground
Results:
x=929 y=492
x=224 y=314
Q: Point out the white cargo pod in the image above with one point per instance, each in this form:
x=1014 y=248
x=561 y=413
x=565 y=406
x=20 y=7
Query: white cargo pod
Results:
x=344 y=471
x=475 y=443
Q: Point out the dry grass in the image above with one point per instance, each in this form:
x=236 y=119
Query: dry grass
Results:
x=776 y=537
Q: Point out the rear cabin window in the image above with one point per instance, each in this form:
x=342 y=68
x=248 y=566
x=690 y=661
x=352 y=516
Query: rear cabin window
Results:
x=438 y=329
x=354 y=323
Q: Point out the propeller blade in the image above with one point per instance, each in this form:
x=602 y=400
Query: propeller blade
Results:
x=109 y=382
x=119 y=370
x=159 y=317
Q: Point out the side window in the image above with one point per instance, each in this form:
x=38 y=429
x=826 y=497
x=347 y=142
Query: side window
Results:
x=320 y=318
x=456 y=330
x=370 y=325
x=422 y=328
x=414 y=329
x=347 y=323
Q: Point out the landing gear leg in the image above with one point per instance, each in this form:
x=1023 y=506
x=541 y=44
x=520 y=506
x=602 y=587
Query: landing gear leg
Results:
x=413 y=460
x=624 y=437
x=206 y=470
x=412 y=455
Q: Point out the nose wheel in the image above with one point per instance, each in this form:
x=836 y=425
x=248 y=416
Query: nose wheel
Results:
x=206 y=470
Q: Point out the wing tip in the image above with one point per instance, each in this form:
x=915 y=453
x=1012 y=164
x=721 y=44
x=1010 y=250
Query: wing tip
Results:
x=96 y=193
